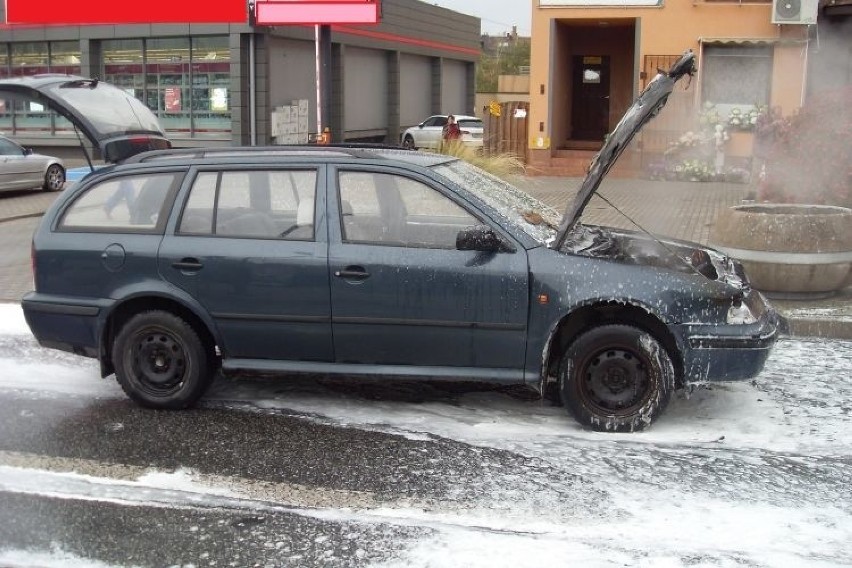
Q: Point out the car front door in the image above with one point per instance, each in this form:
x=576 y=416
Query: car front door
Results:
x=250 y=247
x=18 y=170
x=403 y=295
x=432 y=132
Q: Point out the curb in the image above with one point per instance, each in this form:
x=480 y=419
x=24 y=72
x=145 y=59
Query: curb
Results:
x=19 y=217
x=819 y=328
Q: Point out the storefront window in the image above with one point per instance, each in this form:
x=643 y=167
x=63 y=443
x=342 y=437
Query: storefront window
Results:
x=211 y=81
x=30 y=118
x=5 y=106
x=32 y=58
x=64 y=58
x=186 y=82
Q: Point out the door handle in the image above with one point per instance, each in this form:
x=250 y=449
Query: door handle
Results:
x=188 y=264
x=353 y=273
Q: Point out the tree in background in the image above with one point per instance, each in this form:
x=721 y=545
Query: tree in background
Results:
x=501 y=56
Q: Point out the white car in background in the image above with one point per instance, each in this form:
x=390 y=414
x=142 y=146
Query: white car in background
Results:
x=427 y=134
x=20 y=168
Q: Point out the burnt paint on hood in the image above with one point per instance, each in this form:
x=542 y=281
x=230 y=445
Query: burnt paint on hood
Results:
x=114 y=121
x=643 y=109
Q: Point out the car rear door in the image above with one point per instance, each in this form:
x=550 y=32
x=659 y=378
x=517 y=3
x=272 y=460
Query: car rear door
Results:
x=249 y=245
x=403 y=295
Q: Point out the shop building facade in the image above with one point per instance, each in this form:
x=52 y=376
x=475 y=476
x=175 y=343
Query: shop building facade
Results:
x=218 y=84
x=590 y=59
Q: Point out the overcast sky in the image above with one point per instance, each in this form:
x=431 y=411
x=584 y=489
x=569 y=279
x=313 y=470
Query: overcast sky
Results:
x=498 y=16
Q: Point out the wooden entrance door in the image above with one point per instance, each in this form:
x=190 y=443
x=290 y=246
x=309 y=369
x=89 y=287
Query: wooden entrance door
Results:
x=590 y=109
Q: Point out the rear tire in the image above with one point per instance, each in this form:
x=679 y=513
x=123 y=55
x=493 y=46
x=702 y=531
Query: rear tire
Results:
x=54 y=178
x=616 y=378
x=160 y=361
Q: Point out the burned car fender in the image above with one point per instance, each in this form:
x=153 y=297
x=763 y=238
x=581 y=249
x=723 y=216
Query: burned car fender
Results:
x=565 y=325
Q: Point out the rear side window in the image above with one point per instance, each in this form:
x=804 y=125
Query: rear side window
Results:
x=468 y=123
x=133 y=204
x=264 y=204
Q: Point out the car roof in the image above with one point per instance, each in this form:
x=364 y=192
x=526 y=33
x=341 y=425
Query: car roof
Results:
x=263 y=154
x=457 y=116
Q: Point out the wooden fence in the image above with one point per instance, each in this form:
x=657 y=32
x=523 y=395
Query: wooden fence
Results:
x=507 y=129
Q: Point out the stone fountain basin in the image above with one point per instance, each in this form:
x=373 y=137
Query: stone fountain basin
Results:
x=789 y=249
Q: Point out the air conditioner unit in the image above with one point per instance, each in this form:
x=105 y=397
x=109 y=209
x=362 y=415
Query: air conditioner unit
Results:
x=794 y=11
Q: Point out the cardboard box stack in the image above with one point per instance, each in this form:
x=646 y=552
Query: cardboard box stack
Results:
x=290 y=123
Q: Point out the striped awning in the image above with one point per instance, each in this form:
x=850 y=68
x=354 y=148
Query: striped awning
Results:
x=739 y=40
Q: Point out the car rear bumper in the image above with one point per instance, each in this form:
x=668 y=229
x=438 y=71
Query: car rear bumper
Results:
x=58 y=323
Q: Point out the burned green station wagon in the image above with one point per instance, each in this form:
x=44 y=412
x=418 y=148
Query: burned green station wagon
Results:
x=173 y=265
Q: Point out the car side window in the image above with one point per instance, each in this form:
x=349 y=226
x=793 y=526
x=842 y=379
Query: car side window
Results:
x=436 y=121
x=9 y=148
x=133 y=203
x=265 y=204
x=394 y=210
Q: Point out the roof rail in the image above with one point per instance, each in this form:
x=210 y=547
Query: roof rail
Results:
x=200 y=153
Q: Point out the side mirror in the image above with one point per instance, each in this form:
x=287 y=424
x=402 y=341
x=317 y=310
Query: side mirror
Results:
x=480 y=238
x=28 y=151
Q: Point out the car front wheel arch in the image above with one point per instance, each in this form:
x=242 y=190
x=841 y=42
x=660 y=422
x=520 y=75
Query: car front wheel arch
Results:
x=586 y=317
x=129 y=308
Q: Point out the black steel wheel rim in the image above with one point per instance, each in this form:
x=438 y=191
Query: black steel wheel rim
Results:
x=615 y=381
x=158 y=361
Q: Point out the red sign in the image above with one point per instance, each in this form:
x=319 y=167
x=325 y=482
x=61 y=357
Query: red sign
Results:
x=283 y=12
x=113 y=12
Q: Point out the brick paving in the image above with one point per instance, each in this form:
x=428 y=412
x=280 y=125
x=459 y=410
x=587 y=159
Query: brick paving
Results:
x=681 y=210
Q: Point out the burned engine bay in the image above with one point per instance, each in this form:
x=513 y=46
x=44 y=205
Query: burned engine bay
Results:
x=641 y=249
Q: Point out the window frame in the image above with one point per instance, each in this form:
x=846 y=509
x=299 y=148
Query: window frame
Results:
x=166 y=208
x=196 y=173
x=714 y=52
x=435 y=185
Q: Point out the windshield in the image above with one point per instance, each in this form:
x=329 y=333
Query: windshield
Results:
x=110 y=110
x=518 y=207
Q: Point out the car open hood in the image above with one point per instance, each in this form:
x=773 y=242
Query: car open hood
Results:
x=114 y=121
x=644 y=108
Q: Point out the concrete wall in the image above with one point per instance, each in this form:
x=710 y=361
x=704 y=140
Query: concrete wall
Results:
x=454 y=89
x=415 y=89
x=366 y=84
x=292 y=75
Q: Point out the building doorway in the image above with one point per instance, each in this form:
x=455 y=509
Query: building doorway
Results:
x=590 y=108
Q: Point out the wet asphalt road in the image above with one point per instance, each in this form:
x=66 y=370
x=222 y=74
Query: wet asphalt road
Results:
x=298 y=472
x=288 y=469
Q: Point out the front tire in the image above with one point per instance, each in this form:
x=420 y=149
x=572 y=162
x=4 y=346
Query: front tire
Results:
x=408 y=143
x=616 y=378
x=54 y=178
x=160 y=361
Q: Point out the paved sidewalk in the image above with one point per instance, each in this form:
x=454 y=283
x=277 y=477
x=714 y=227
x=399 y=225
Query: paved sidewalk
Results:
x=680 y=210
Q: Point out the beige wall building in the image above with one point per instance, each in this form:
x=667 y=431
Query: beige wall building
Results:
x=590 y=58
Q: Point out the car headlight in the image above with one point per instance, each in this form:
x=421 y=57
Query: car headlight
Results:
x=740 y=314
